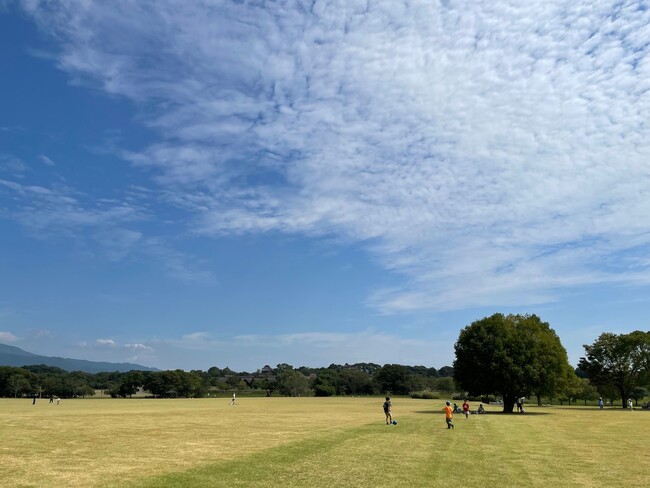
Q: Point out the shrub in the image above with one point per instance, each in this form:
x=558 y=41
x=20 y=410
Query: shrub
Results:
x=425 y=395
x=323 y=390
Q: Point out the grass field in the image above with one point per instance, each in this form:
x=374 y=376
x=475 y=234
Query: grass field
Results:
x=315 y=442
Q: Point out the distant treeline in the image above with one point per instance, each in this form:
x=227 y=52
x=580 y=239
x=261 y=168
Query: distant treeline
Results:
x=502 y=356
x=356 y=379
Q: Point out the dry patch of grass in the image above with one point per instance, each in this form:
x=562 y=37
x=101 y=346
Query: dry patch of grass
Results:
x=86 y=442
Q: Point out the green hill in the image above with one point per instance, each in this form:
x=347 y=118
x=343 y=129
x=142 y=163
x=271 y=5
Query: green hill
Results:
x=14 y=356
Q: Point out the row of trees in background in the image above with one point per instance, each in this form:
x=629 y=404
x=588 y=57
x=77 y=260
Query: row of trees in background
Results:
x=501 y=356
x=40 y=380
x=620 y=363
x=357 y=379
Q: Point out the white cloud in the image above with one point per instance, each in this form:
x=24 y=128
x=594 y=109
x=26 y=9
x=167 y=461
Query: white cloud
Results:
x=12 y=165
x=491 y=153
x=40 y=334
x=196 y=337
x=138 y=347
x=45 y=160
x=58 y=210
x=7 y=337
x=114 y=351
x=180 y=266
x=243 y=353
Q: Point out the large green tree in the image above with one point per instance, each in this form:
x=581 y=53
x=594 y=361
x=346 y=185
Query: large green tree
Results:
x=393 y=379
x=131 y=381
x=325 y=384
x=511 y=356
x=292 y=382
x=586 y=391
x=621 y=361
x=355 y=382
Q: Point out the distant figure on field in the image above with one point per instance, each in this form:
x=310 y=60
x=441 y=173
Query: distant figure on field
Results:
x=51 y=399
x=387 y=411
x=601 y=403
x=466 y=409
x=34 y=400
x=518 y=402
x=480 y=408
x=449 y=415
x=521 y=405
x=234 y=399
x=630 y=404
x=456 y=408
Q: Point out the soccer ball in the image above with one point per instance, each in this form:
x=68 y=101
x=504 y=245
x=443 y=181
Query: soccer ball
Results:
x=394 y=422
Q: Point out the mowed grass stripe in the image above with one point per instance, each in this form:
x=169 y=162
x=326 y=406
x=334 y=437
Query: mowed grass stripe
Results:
x=419 y=452
x=548 y=447
x=350 y=457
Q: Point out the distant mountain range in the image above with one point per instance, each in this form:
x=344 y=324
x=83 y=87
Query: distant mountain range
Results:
x=14 y=356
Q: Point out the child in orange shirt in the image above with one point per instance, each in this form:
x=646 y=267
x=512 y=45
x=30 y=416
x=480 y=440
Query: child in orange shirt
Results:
x=449 y=415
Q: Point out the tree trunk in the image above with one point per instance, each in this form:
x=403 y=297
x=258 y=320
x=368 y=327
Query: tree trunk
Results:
x=539 y=400
x=624 y=394
x=508 y=404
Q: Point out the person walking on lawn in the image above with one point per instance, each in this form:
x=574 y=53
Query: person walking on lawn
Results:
x=449 y=415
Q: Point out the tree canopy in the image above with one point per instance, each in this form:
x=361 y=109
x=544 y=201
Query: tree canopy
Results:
x=621 y=361
x=512 y=356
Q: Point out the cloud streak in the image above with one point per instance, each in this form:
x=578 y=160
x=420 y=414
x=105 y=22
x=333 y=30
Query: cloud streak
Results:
x=58 y=210
x=202 y=350
x=299 y=349
x=491 y=154
x=6 y=336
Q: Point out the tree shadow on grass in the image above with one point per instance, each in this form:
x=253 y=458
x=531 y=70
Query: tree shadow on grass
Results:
x=514 y=414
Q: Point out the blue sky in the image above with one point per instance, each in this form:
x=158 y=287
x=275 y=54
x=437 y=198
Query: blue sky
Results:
x=241 y=183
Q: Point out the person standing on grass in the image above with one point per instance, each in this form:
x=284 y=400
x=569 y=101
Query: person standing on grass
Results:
x=449 y=415
x=387 y=411
x=601 y=403
x=466 y=409
x=234 y=399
